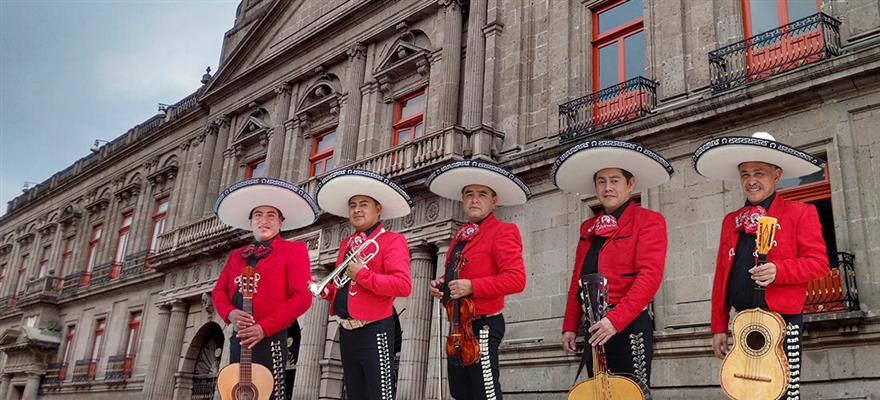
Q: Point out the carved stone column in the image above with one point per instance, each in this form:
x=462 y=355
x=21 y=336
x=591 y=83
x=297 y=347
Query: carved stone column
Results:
x=416 y=325
x=31 y=387
x=156 y=354
x=163 y=387
x=275 y=150
x=311 y=351
x=207 y=165
x=437 y=356
x=474 y=64
x=351 y=118
x=175 y=216
x=4 y=386
x=452 y=21
x=190 y=174
x=218 y=165
x=288 y=164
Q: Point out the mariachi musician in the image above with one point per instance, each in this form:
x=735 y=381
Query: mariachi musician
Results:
x=624 y=242
x=759 y=163
x=372 y=269
x=493 y=267
x=265 y=207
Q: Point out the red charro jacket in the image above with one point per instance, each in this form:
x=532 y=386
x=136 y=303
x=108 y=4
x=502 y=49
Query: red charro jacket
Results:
x=799 y=257
x=494 y=264
x=385 y=277
x=281 y=293
x=632 y=259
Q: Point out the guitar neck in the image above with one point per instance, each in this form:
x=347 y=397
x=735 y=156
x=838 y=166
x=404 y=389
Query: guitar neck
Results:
x=760 y=290
x=245 y=355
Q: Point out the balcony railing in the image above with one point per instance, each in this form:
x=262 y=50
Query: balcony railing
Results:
x=608 y=107
x=801 y=42
x=84 y=371
x=835 y=291
x=47 y=288
x=119 y=367
x=55 y=374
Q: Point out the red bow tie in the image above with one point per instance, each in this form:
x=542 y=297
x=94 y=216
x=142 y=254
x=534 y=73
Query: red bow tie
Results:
x=604 y=226
x=255 y=251
x=355 y=241
x=747 y=218
x=466 y=232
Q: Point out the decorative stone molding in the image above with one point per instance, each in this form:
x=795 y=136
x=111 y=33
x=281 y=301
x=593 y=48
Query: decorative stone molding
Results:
x=48 y=229
x=128 y=192
x=70 y=215
x=97 y=207
x=282 y=89
x=208 y=305
x=322 y=98
x=163 y=176
x=408 y=55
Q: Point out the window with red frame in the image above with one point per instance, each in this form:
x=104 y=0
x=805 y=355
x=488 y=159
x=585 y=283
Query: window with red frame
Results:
x=409 y=113
x=618 y=43
x=782 y=52
x=66 y=256
x=44 y=261
x=97 y=340
x=814 y=189
x=160 y=214
x=134 y=327
x=765 y=15
x=65 y=353
x=121 y=244
x=255 y=169
x=321 y=159
x=92 y=254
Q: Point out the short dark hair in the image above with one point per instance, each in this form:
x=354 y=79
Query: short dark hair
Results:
x=490 y=189
x=626 y=174
x=280 y=214
x=367 y=196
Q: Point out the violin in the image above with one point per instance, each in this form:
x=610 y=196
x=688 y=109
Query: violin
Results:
x=461 y=343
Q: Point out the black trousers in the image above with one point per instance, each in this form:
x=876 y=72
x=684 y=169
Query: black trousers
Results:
x=479 y=381
x=270 y=352
x=793 y=326
x=629 y=351
x=367 y=355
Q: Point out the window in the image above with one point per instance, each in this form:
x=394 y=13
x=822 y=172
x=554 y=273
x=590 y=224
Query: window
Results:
x=322 y=152
x=255 y=169
x=92 y=254
x=618 y=43
x=409 y=114
x=44 y=261
x=160 y=214
x=66 y=256
x=814 y=189
x=787 y=50
x=2 y=275
x=134 y=327
x=65 y=352
x=121 y=244
x=765 y=15
x=97 y=340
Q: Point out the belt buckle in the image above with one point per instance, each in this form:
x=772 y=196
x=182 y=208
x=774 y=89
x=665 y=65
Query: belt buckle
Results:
x=351 y=324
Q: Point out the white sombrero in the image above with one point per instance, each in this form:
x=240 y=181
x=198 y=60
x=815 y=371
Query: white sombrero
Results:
x=335 y=189
x=573 y=171
x=450 y=179
x=720 y=158
x=234 y=204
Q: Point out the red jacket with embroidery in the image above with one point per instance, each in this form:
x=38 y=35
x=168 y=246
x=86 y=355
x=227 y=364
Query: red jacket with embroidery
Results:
x=385 y=277
x=632 y=259
x=281 y=293
x=799 y=257
x=494 y=264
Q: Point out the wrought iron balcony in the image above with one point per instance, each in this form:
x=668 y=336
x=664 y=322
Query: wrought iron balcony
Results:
x=84 y=371
x=808 y=40
x=606 y=108
x=119 y=367
x=55 y=374
x=836 y=291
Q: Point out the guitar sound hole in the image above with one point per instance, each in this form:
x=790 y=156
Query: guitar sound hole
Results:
x=245 y=392
x=755 y=340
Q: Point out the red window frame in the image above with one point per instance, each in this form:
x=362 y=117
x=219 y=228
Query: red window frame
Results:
x=809 y=192
x=320 y=159
x=781 y=15
x=66 y=255
x=65 y=354
x=410 y=123
x=97 y=340
x=157 y=228
x=258 y=165
x=44 y=261
x=122 y=236
x=92 y=254
x=616 y=35
x=770 y=58
x=134 y=327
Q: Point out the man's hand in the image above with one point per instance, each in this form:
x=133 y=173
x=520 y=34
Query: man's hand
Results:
x=719 y=344
x=354 y=267
x=601 y=331
x=435 y=288
x=764 y=274
x=323 y=294
x=460 y=288
x=251 y=336
x=569 y=342
x=240 y=319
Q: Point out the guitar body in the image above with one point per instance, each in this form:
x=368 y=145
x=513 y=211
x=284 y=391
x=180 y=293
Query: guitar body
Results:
x=756 y=366
x=621 y=388
x=260 y=387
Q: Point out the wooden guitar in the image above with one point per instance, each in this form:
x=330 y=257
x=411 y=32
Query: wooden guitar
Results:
x=245 y=380
x=756 y=366
x=603 y=385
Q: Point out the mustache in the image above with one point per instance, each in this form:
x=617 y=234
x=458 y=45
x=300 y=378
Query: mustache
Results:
x=754 y=186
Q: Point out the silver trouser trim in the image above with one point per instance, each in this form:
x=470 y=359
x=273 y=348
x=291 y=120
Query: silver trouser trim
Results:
x=792 y=352
x=385 y=373
x=277 y=370
x=486 y=364
x=640 y=359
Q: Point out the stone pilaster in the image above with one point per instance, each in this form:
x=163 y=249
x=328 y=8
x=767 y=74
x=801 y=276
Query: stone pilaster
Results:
x=434 y=385
x=142 y=226
x=175 y=216
x=288 y=167
x=416 y=325
x=275 y=150
x=156 y=355
x=207 y=165
x=311 y=352
x=4 y=386
x=351 y=118
x=452 y=25
x=190 y=175
x=32 y=387
x=474 y=63
x=164 y=383
x=218 y=165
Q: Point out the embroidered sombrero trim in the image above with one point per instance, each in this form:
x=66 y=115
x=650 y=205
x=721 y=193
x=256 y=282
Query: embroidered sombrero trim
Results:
x=270 y=182
x=366 y=174
x=613 y=144
x=480 y=165
x=751 y=141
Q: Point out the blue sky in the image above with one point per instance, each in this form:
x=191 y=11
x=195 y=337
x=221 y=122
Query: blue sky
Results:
x=75 y=71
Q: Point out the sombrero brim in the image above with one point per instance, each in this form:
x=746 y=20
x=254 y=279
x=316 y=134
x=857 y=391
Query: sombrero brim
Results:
x=336 y=189
x=720 y=158
x=234 y=204
x=450 y=179
x=573 y=171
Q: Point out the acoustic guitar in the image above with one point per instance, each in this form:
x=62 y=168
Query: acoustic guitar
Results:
x=603 y=385
x=245 y=380
x=756 y=366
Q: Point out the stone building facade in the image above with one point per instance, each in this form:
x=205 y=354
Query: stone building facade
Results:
x=105 y=267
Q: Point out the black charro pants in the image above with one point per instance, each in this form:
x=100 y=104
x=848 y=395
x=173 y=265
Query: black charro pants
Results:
x=630 y=351
x=367 y=355
x=479 y=381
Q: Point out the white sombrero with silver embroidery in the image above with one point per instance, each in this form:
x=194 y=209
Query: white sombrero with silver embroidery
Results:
x=234 y=204
x=573 y=171
x=335 y=189
x=720 y=158
x=450 y=179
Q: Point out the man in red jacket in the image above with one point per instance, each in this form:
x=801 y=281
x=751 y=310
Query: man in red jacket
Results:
x=624 y=242
x=493 y=267
x=759 y=162
x=364 y=305
x=282 y=271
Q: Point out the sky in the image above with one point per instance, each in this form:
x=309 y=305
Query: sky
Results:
x=72 y=71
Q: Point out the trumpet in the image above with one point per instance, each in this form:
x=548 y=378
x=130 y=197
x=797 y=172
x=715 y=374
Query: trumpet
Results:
x=338 y=276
